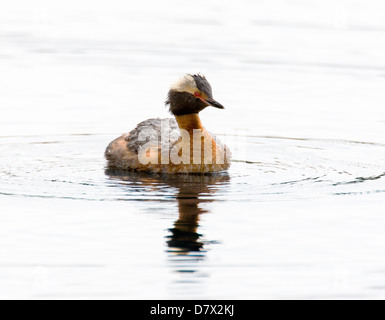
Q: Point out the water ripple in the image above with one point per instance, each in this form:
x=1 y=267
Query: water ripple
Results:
x=72 y=167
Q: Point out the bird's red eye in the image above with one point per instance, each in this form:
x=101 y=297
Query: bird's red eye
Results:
x=197 y=94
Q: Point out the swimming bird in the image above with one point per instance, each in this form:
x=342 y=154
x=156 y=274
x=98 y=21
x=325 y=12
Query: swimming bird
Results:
x=179 y=145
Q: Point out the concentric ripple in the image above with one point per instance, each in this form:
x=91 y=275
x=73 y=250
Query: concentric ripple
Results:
x=72 y=167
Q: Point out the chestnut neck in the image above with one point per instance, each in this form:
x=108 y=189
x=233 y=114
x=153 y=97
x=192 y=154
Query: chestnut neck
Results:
x=189 y=122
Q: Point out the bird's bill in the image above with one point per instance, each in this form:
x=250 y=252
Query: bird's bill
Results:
x=214 y=103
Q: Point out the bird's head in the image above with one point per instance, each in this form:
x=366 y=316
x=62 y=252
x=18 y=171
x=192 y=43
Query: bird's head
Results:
x=191 y=94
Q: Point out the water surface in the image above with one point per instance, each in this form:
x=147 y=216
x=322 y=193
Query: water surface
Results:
x=298 y=215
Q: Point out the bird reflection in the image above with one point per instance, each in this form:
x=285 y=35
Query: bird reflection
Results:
x=190 y=192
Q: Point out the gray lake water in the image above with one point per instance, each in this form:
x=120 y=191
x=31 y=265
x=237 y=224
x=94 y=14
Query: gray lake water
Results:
x=300 y=214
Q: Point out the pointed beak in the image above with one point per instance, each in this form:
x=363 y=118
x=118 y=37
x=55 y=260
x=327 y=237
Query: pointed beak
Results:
x=214 y=103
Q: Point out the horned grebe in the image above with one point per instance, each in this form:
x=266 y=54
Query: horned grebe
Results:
x=179 y=145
